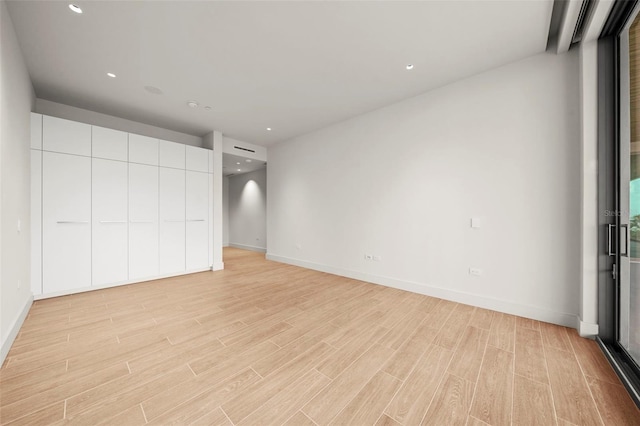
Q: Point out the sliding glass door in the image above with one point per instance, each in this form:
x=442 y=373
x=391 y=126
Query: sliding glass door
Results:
x=619 y=192
x=629 y=189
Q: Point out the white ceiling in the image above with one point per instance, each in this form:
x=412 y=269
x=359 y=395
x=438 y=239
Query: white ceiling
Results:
x=291 y=66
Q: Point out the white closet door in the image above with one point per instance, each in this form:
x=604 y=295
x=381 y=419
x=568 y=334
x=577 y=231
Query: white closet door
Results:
x=109 y=228
x=36 y=131
x=172 y=224
x=66 y=136
x=66 y=225
x=143 y=221
x=210 y=217
x=197 y=206
x=143 y=150
x=197 y=159
x=36 y=221
x=109 y=144
x=171 y=154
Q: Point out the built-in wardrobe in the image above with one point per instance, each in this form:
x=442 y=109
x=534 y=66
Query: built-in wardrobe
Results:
x=110 y=207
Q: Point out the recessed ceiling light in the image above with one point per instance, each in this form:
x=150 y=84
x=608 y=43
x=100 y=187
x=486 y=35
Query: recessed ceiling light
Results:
x=112 y=75
x=239 y=170
x=208 y=108
x=409 y=66
x=238 y=163
x=75 y=8
x=192 y=104
x=247 y=160
x=269 y=129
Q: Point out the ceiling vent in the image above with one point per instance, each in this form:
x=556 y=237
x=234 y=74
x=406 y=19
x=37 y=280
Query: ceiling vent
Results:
x=244 y=149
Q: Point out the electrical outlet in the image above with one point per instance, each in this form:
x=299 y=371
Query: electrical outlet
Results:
x=376 y=258
x=475 y=271
x=368 y=257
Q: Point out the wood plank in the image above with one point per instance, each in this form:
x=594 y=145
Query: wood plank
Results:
x=412 y=400
x=300 y=419
x=225 y=365
x=570 y=392
x=502 y=333
x=614 y=403
x=209 y=400
x=385 y=420
x=451 y=403
x=482 y=318
x=532 y=402
x=214 y=418
x=403 y=361
x=468 y=355
x=454 y=327
x=289 y=401
x=555 y=336
x=243 y=405
x=591 y=358
x=530 y=359
x=333 y=398
x=50 y=414
x=492 y=402
x=527 y=323
x=59 y=393
x=367 y=406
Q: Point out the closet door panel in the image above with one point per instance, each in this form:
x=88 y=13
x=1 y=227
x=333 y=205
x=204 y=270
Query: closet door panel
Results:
x=109 y=144
x=66 y=225
x=36 y=221
x=109 y=225
x=143 y=221
x=171 y=154
x=143 y=150
x=197 y=159
x=197 y=209
x=66 y=136
x=172 y=221
x=36 y=131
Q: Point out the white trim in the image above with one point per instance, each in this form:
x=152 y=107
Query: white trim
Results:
x=15 y=329
x=117 y=284
x=587 y=329
x=560 y=318
x=219 y=266
x=245 y=247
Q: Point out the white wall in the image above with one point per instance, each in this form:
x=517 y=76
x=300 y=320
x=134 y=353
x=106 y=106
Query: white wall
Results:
x=55 y=109
x=403 y=182
x=225 y=212
x=248 y=210
x=17 y=99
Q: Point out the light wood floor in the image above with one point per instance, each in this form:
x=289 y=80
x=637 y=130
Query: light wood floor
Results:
x=267 y=343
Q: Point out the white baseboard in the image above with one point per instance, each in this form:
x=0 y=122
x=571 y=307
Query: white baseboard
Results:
x=587 y=329
x=219 y=266
x=117 y=284
x=15 y=329
x=245 y=247
x=540 y=314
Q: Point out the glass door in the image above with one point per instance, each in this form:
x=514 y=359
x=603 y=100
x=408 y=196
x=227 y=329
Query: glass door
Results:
x=628 y=223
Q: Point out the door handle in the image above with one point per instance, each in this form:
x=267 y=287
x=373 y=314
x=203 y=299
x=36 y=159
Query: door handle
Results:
x=625 y=231
x=610 y=228
x=195 y=220
x=72 y=221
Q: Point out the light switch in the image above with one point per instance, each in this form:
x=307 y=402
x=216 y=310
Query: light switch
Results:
x=475 y=222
